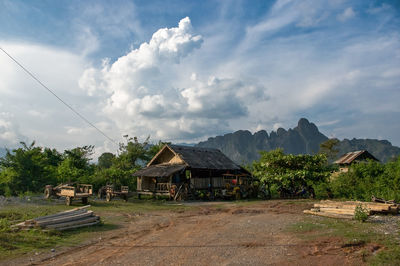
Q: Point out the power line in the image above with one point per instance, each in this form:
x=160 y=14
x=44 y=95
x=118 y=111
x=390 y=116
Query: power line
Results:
x=55 y=95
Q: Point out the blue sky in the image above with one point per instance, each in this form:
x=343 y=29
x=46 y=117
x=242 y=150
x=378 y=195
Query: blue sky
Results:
x=185 y=70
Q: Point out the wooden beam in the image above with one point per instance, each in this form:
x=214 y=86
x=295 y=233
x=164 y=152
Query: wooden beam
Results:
x=329 y=215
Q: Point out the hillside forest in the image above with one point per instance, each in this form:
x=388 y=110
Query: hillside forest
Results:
x=29 y=168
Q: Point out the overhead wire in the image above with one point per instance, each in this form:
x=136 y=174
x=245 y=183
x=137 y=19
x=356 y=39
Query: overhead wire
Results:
x=55 y=95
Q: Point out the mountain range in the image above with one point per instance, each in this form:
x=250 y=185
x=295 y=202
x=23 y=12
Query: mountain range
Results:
x=243 y=147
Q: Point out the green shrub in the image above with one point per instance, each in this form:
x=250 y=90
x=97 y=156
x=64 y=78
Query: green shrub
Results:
x=291 y=174
x=369 y=178
x=323 y=190
x=361 y=213
x=4 y=225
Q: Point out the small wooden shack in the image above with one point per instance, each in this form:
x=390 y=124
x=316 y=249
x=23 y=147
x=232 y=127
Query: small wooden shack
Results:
x=353 y=157
x=177 y=168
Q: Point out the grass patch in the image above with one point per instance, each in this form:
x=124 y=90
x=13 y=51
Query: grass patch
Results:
x=297 y=201
x=352 y=232
x=14 y=243
x=244 y=202
x=304 y=227
x=390 y=256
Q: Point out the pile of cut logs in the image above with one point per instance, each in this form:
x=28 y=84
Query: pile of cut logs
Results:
x=75 y=218
x=346 y=209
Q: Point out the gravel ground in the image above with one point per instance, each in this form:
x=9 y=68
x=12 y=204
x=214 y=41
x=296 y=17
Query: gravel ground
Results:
x=221 y=233
x=212 y=233
x=390 y=224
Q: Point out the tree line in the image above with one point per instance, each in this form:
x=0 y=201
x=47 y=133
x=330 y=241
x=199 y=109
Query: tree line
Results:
x=29 y=168
x=288 y=175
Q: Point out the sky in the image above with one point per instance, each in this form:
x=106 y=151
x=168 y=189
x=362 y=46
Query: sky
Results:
x=183 y=71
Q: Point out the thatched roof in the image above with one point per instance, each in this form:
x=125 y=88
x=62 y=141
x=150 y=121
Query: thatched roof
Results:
x=189 y=158
x=204 y=158
x=350 y=157
x=160 y=170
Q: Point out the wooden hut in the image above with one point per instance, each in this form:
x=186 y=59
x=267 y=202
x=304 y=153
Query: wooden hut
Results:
x=181 y=170
x=353 y=157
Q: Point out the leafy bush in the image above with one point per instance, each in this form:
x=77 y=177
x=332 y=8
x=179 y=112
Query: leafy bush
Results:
x=361 y=213
x=291 y=174
x=369 y=178
x=323 y=190
x=28 y=168
x=4 y=225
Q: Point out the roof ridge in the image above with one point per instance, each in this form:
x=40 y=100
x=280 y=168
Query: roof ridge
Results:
x=192 y=147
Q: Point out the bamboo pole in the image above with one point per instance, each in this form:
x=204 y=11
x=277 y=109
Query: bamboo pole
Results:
x=64 y=219
x=77 y=226
x=62 y=213
x=338 y=211
x=374 y=207
x=76 y=222
x=54 y=216
x=329 y=215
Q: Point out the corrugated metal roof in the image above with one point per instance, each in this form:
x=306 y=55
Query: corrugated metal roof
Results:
x=204 y=158
x=349 y=157
x=159 y=170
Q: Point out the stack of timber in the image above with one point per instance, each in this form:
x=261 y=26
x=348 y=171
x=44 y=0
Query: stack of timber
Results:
x=71 y=219
x=346 y=209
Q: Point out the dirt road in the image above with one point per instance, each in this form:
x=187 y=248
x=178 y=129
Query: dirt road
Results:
x=207 y=235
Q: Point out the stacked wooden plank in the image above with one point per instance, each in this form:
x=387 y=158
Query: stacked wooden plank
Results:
x=346 y=209
x=75 y=218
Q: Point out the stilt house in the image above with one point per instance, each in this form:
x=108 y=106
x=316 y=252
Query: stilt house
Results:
x=177 y=167
x=349 y=158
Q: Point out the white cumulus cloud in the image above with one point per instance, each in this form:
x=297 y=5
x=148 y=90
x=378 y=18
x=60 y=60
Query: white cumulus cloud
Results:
x=9 y=131
x=143 y=93
x=347 y=14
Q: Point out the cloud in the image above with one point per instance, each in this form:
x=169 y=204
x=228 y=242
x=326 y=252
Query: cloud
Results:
x=143 y=94
x=100 y=26
x=285 y=13
x=33 y=110
x=215 y=99
x=378 y=9
x=166 y=89
x=37 y=114
x=9 y=132
x=325 y=72
x=134 y=70
x=87 y=41
x=117 y=20
x=328 y=123
x=347 y=14
x=239 y=68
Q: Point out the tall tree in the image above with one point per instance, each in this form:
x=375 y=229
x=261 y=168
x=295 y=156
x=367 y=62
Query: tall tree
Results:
x=25 y=169
x=105 y=160
x=76 y=165
x=133 y=154
x=290 y=173
x=329 y=148
x=155 y=148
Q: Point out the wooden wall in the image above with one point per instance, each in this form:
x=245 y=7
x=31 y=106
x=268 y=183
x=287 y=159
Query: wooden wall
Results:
x=202 y=183
x=145 y=183
x=167 y=156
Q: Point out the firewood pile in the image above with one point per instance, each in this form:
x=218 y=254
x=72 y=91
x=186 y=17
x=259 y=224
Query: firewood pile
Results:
x=71 y=219
x=346 y=209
